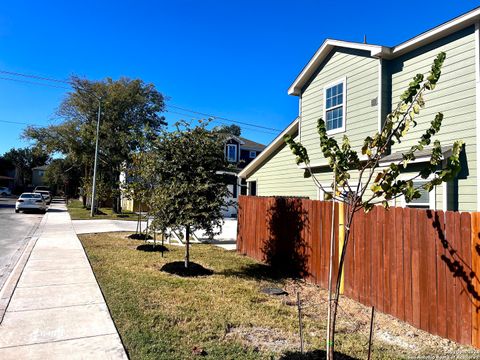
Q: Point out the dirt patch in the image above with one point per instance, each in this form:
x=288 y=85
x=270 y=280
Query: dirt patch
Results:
x=263 y=338
x=152 y=248
x=354 y=318
x=139 y=237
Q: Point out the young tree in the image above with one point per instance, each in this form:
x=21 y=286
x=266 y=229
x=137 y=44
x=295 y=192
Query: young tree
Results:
x=188 y=191
x=127 y=106
x=383 y=182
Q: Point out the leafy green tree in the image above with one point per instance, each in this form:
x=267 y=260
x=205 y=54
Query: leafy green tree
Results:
x=229 y=129
x=188 y=190
x=63 y=175
x=127 y=107
x=24 y=160
x=383 y=182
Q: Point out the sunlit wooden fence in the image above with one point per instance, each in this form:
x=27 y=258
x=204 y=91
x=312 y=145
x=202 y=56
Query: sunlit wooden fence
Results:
x=421 y=266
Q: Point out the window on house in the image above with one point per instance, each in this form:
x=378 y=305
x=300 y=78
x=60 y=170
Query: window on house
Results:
x=253 y=154
x=252 y=188
x=231 y=153
x=425 y=199
x=334 y=105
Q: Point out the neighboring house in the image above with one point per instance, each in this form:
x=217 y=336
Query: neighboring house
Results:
x=239 y=152
x=353 y=86
x=38 y=175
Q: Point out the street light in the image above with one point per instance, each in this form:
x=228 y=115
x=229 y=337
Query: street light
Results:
x=94 y=185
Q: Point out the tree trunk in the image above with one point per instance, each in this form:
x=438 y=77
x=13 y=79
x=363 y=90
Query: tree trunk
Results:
x=334 y=304
x=187 y=246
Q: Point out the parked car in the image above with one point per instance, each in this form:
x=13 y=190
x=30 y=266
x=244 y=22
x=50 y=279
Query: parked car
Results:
x=4 y=191
x=31 y=201
x=46 y=195
x=41 y=187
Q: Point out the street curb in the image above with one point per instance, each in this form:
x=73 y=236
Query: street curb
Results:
x=11 y=283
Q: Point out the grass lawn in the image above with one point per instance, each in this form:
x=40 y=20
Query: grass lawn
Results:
x=78 y=212
x=221 y=316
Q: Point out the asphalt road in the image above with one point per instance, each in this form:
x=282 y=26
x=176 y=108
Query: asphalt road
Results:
x=15 y=230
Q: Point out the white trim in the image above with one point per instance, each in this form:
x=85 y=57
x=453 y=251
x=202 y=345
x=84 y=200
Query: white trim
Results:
x=438 y=32
x=324 y=162
x=274 y=145
x=417 y=160
x=379 y=101
x=444 y=196
x=236 y=153
x=322 y=52
x=341 y=129
x=384 y=52
x=300 y=104
x=477 y=107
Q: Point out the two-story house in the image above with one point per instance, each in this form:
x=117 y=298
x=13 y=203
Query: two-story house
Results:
x=353 y=86
x=239 y=152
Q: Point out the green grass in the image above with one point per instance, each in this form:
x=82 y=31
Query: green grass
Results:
x=164 y=316
x=78 y=212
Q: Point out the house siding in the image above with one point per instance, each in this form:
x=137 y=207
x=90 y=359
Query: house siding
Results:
x=279 y=175
x=362 y=79
x=454 y=96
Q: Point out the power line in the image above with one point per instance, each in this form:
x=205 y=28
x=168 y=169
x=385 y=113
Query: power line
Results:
x=44 y=78
x=34 y=83
x=223 y=118
x=224 y=122
x=35 y=77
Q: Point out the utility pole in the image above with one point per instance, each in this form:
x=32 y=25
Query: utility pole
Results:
x=94 y=188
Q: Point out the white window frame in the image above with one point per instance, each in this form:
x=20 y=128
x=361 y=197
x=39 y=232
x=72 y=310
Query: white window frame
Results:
x=343 y=106
x=321 y=193
x=250 y=154
x=228 y=153
x=432 y=197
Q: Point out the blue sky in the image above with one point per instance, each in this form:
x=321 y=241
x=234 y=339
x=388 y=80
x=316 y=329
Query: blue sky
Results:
x=234 y=59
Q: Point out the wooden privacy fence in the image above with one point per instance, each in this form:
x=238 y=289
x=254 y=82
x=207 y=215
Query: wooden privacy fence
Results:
x=421 y=266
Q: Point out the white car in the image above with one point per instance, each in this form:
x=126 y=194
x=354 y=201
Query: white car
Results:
x=31 y=201
x=46 y=195
x=4 y=191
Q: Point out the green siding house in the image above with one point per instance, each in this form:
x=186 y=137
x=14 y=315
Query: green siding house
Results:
x=353 y=86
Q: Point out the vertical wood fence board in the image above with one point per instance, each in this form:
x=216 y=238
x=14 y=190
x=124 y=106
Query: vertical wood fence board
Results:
x=407 y=264
x=439 y=222
x=432 y=272
x=458 y=283
x=380 y=228
x=372 y=221
x=399 y=247
x=450 y=282
x=466 y=314
x=415 y=269
x=349 y=267
x=475 y=246
x=423 y=266
x=387 y=254
x=393 y=263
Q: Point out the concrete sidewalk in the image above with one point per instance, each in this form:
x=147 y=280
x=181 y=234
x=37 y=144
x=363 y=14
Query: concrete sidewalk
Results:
x=57 y=310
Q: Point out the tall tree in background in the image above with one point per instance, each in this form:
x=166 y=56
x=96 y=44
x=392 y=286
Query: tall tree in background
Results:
x=63 y=175
x=24 y=160
x=127 y=108
x=229 y=129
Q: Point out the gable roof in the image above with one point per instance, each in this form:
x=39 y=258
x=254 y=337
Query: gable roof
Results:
x=249 y=144
x=384 y=52
x=274 y=145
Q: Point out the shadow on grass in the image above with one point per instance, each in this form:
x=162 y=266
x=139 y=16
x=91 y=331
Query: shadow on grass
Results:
x=152 y=248
x=260 y=272
x=178 y=268
x=313 y=355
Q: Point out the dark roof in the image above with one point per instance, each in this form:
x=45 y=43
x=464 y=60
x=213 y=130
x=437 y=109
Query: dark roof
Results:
x=425 y=153
x=249 y=144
